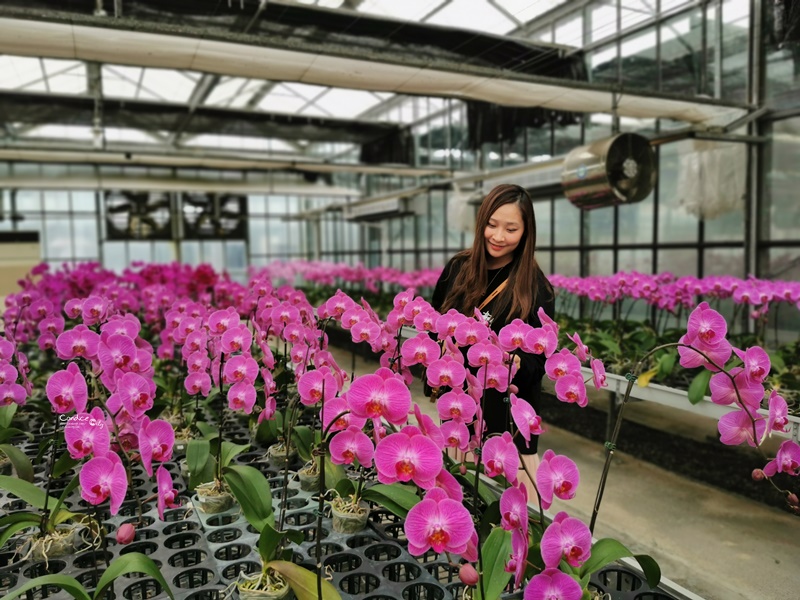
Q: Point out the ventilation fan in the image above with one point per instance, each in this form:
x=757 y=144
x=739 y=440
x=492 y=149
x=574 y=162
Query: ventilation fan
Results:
x=214 y=216
x=616 y=170
x=138 y=215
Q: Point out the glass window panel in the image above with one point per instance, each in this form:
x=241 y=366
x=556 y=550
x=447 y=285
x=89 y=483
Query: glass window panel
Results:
x=779 y=215
x=680 y=262
x=784 y=265
x=28 y=201
x=85 y=237
x=163 y=252
x=32 y=223
x=724 y=261
x=409 y=223
x=190 y=253
x=675 y=224
x=57 y=240
x=600 y=228
x=636 y=222
x=256 y=204
x=293 y=241
x=681 y=48
x=639 y=67
x=567 y=223
x=570 y=33
x=603 y=64
x=566 y=138
x=567 y=263
x=140 y=252
x=258 y=241
x=603 y=21
x=601 y=262
x=640 y=260
x=212 y=254
x=545 y=259
x=544 y=214
x=235 y=255
x=435 y=222
x=83 y=202
x=728 y=227
x=735 y=50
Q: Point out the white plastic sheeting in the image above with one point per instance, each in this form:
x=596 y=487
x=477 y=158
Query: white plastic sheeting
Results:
x=712 y=177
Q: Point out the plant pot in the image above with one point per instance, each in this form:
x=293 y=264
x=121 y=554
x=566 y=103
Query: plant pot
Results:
x=64 y=544
x=308 y=482
x=260 y=594
x=211 y=501
x=281 y=455
x=349 y=521
x=5 y=465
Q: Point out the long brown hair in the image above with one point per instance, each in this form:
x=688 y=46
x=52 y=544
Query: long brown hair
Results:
x=470 y=284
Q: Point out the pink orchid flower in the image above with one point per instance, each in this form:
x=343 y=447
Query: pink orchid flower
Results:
x=787 y=460
x=426 y=320
x=557 y=476
x=598 y=374
x=373 y=397
x=240 y=368
x=242 y=396
x=446 y=324
x=692 y=357
x=469 y=332
x=525 y=418
x=439 y=523
x=134 y=393
x=236 y=339
x=756 y=363
x=447 y=482
x=566 y=538
x=156 y=440
x=495 y=376
x=562 y=363
x=552 y=584
x=420 y=350
x=365 y=331
x=93 y=310
x=581 y=349
x=517 y=562
x=778 y=413
x=514 y=509
x=313 y=384
x=484 y=353
x=500 y=457
x=8 y=374
x=66 y=390
x=571 y=389
x=334 y=409
x=512 y=336
x=456 y=435
x=87 y=434
x=736 y=427
x=457 y=405
x=78 y=341
x=6 y=349
x=546 y=321
x=116 y=352
x=541 y=340
x=198 y=383
x=725 y=391
x=351 y=444
x=221 y=320
x=12 y=393
x=400 y=457
x=167 y=495
x=102 y=478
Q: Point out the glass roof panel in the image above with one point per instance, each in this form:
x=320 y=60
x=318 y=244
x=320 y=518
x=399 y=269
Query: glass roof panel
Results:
x=636 y=11
x=407 y=10
x=18 y=72
x=226 y=90
x=281 y=101
x=346 y=103
x=239 y=142
x=304 y=90
x=119 y=134
x=169 y=84
x=312 y=110
x=527 y=10
x=64 y=132
x=65 y=76
x=473 y=14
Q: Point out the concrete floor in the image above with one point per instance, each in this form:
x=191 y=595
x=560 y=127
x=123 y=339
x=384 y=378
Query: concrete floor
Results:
x=716 y=545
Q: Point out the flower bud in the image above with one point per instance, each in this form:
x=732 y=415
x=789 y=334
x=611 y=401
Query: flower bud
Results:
x=462 y=468
x=468 y=574
x=792 y=499
x=125 y=533
x=758 y=475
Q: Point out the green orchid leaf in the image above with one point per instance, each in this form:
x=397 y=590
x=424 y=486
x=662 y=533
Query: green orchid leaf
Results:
x=699 y=386
x=303 y=582
x=201 y=465
x=344 y=487
x=607 y=550
x=7 y=414
x=64 y=464
x=206 y=430
x=230 y=451
x=25 y=491
x=270 y=539
x=135 y=562
x=666 y=363
x=776 y=360
x=62 y=582
x=9 y=433
x=251 y=489
x=491 y=517
x=74 y=482
x=31 y=520
x=495 y=553
x=303 y=440
x=396 y=497
x=19 y=460
x=333 y=473
x=267 y=433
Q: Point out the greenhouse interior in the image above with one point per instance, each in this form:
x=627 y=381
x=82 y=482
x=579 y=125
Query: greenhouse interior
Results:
x=399 y=299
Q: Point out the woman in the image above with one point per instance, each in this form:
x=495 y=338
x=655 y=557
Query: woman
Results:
x=503 y=251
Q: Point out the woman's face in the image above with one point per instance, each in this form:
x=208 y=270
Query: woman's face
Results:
x=503 y=234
